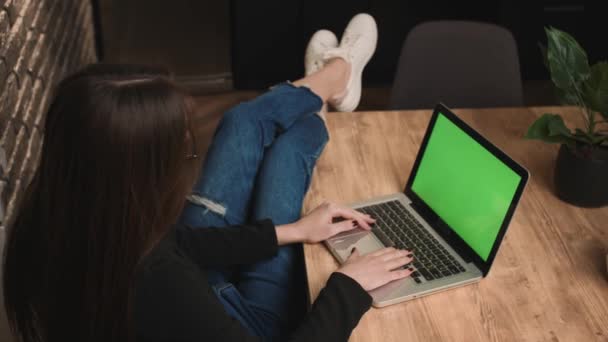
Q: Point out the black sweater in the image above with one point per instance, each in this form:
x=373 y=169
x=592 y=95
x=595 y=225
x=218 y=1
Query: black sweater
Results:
x=174 y=302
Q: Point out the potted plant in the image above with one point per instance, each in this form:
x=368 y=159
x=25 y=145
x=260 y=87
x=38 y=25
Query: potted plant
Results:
x=581 y=169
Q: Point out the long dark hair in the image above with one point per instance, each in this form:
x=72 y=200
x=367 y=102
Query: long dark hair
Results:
x=111 y=181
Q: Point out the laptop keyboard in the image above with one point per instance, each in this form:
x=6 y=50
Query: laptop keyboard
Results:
x=431 y=260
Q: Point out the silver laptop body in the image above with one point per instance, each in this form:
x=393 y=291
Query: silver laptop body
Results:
x=401 y=290
x=458 y=263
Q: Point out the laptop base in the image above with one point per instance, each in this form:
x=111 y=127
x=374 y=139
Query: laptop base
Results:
x=405 y=289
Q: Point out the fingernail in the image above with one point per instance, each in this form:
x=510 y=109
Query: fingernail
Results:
x=410 y=255
x=410 y=269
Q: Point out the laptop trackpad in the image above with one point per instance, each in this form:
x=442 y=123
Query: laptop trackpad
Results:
x=365 y=242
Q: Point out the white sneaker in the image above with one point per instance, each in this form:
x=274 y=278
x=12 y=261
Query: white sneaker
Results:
x=320 y=42
x=356 y=48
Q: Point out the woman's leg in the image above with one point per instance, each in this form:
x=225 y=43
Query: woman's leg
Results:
x=251 y=136
x=275 y=287
x=227 y=178
x=269 y=296
x=229 y=172
x=222 y=194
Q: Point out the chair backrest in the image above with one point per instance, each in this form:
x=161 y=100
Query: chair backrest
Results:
x=460 y=63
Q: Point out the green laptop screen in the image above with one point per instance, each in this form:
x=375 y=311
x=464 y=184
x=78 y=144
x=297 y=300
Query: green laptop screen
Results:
x=466 y=185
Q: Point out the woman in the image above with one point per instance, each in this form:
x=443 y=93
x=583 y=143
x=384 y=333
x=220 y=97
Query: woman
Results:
x=95 y=254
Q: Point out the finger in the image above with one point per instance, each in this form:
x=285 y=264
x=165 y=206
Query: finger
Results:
x=363 y=220
x=397 y=262
x=401 y=273
x=354 y=254
x=342 y=226
x=352 y=215
x=343 y=212
x=382 y=251
x=397 y=253
x=367 y=217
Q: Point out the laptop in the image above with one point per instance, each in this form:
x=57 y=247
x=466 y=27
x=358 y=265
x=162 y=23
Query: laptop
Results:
x=454 y=212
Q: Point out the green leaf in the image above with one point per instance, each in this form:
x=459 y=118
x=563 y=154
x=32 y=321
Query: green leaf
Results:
x=584 y=137
x=568 y=62
x=567 y=97
x=595 y=90
x=557 y=127
x=550 y=128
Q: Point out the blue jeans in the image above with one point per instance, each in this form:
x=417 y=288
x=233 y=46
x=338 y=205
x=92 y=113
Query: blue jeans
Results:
x=259 y=165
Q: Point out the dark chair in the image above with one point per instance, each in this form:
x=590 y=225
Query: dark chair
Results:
x=462 y=64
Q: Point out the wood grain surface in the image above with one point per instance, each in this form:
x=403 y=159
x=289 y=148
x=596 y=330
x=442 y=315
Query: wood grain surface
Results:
x=548 y=282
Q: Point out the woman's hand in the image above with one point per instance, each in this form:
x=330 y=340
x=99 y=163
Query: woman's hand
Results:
x=319 y=225
x=377 y=268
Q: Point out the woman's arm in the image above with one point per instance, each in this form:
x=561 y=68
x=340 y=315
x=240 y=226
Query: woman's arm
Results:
x=228 y=245
x=336 y=311
x=173 y=302
x=319 y=224
x=247 y=244
x=339 y=306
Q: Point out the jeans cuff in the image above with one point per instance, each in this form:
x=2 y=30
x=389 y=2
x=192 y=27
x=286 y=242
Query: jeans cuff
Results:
x=303 y=88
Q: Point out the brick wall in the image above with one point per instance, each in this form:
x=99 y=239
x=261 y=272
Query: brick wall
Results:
x=40 y=42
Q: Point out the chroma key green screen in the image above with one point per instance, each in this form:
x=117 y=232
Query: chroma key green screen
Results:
x=465 y=184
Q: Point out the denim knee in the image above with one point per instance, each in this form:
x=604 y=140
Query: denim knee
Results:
x=318 y=133
x=242 y=123
x=306 y=137
x=237 y=114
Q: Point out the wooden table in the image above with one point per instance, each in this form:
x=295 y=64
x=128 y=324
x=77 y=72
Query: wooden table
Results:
x=548 y=282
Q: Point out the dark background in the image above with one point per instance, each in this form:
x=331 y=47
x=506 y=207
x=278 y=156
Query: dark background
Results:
x=240 y=47
x=269 y=37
